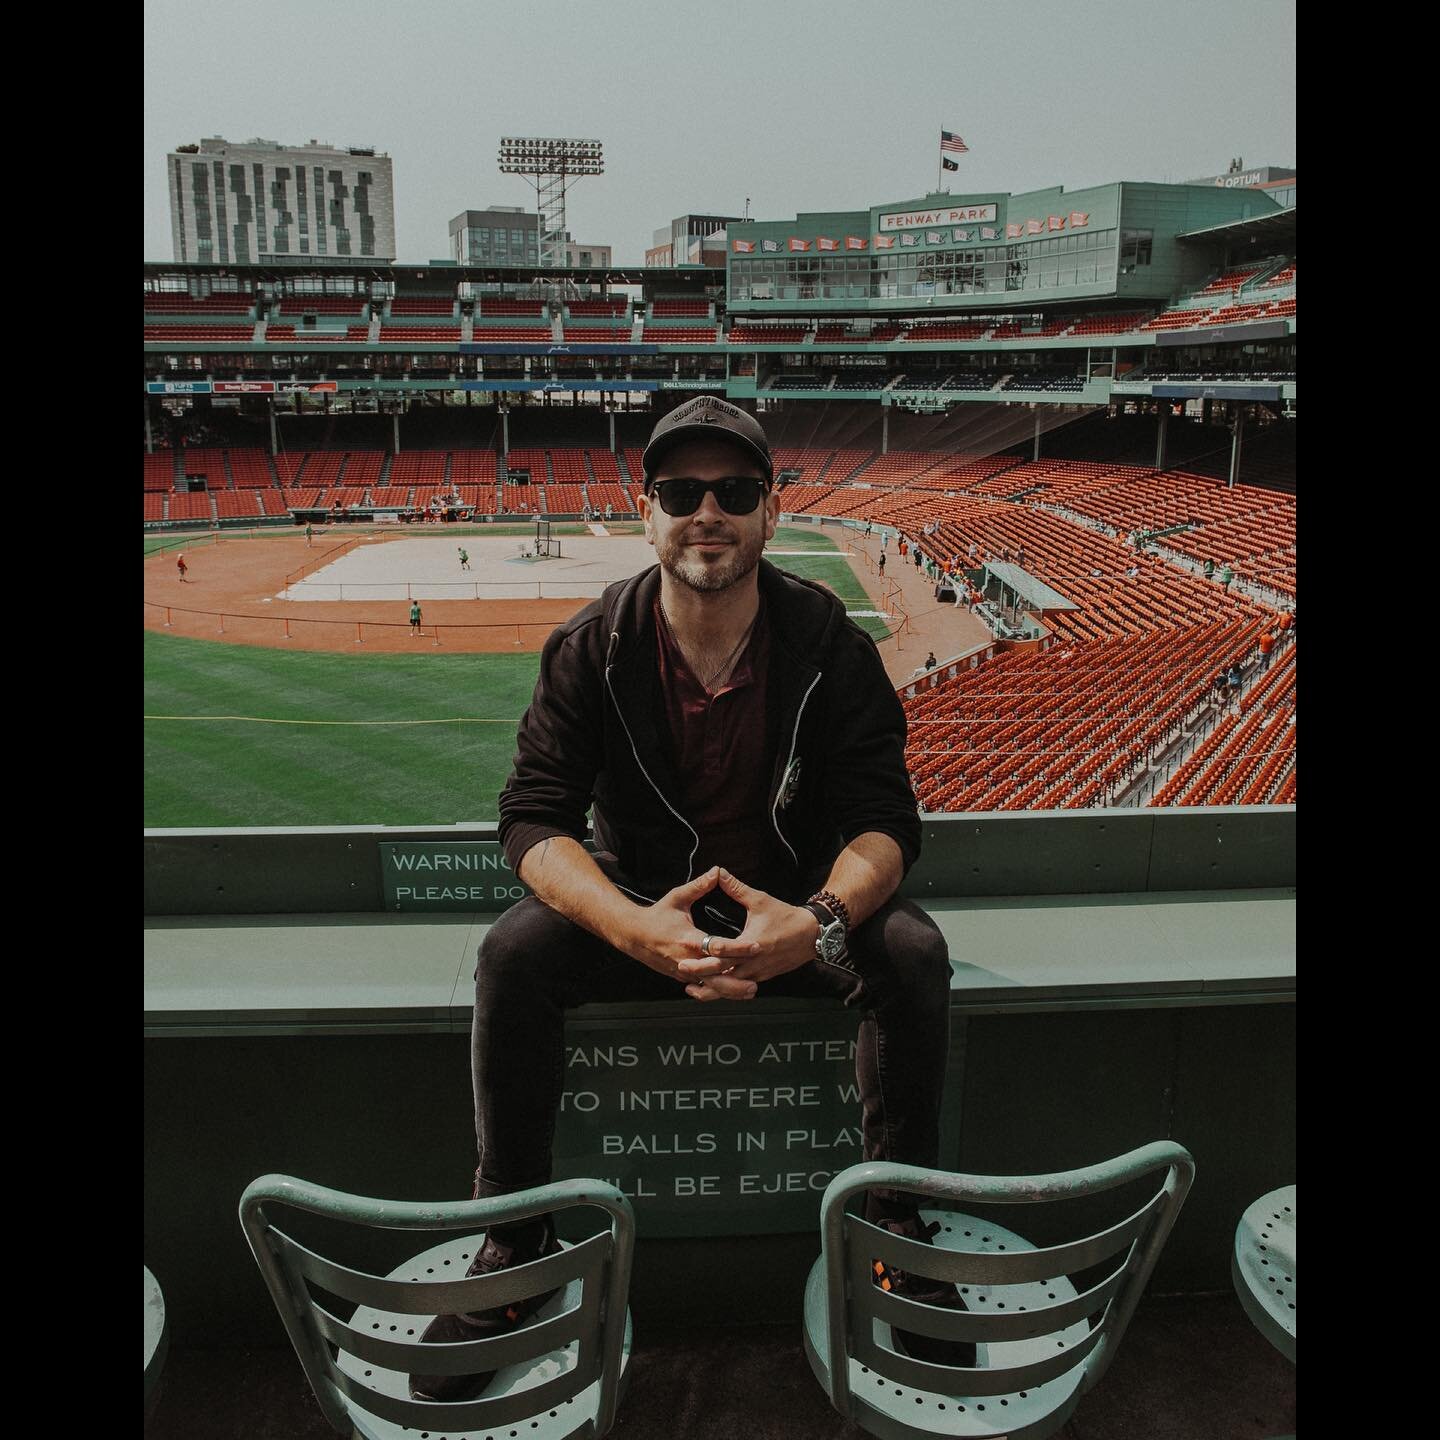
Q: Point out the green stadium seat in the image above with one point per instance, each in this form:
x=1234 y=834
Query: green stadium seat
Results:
x=1037 y=1352
x=559 y=1375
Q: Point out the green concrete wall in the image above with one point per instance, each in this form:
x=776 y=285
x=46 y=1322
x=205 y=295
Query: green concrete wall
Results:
x=390 y=1115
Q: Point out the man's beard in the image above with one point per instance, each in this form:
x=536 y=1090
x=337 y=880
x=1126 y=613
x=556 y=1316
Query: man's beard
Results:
x=739 y=560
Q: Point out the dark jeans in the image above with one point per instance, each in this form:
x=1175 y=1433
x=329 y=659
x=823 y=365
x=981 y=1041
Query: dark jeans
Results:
x=534 y=965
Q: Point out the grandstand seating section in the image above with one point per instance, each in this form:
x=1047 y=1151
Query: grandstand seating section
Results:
x=661 y=308
x=680 y=335
x=604 y=466
x=250 y=469
x=278 y=334
x=363 y=467
x=564 y=499
x=1109 y=324
x=292 y=305
x=390 y=496
x=160 y=471
x=169 y=303
x=567 y=466
x=472 y=467
x=530 y=460
x=1047 y=380
x=855 y=378
x=742 y=334
x=242 y=504
x=191 y=507
x=604 y=493
x=947 y=330
x=1068 y=728
x=810 y=463
x=425 y=468
x=187 y=333
x=1230 y=282
x=1123 y=695
x=421 y=334
x=617 y=308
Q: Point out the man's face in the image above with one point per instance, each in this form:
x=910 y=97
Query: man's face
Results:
x=708 y=550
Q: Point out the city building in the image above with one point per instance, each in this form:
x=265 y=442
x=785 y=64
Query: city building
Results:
x=691 y=240
x=497 y=235
x=580 y=255
x=260 y=202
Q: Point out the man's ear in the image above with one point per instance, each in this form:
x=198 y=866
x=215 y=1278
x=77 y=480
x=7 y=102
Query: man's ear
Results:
x=646 y=507
x=772 y=513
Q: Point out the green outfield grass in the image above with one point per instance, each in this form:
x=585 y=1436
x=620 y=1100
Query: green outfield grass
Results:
x=313 y=739
x=245 y=771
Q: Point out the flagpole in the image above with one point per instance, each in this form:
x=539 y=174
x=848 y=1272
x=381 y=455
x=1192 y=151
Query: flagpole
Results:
x=939 y=163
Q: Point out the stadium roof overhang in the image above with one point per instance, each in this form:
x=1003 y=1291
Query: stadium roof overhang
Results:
x=686 y=276
x=1277 y=230
x=1034 y=592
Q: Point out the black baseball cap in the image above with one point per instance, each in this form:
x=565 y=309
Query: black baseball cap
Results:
x=707 y=417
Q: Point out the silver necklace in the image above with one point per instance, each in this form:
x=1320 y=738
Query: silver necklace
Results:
x=728 y=660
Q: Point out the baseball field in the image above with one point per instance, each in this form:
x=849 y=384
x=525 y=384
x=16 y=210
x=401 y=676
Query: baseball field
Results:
x=276 y=714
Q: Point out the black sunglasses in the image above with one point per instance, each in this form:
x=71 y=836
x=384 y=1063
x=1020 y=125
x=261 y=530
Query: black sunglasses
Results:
x=735 y=494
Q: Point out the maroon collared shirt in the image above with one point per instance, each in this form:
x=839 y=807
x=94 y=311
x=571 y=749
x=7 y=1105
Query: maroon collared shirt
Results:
x=720 y=753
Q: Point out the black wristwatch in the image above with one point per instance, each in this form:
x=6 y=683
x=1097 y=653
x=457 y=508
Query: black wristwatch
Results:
x=830 y=942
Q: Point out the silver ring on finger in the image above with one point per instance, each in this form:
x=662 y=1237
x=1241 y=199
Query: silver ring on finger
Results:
x=705 y=945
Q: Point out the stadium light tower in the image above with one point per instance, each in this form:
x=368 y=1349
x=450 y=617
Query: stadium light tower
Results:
x=551 y=164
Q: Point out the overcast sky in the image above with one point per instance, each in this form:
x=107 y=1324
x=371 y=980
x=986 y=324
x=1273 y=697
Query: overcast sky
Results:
x=701 y=104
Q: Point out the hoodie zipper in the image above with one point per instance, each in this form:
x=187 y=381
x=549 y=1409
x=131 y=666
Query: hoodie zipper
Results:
x=779 y=789
x=690 y=864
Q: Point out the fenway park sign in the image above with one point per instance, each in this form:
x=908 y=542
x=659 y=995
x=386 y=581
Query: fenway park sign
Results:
x=945 y=215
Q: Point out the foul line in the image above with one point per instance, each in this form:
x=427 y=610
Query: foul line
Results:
x=266 y=720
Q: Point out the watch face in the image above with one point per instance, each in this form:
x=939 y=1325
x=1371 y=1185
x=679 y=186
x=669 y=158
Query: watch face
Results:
x=830 y=944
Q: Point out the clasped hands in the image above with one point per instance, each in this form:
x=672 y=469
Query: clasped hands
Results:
x=776 y=939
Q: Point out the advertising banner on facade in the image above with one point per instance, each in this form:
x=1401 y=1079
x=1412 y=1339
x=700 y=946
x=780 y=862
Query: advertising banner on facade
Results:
x=243 y=387
x=177 y=387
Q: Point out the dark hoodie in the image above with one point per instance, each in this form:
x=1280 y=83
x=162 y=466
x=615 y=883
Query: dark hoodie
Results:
x=595 y=732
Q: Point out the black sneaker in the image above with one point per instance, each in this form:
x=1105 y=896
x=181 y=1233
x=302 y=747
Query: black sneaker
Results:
x=928 y=1292
x=534 y=1242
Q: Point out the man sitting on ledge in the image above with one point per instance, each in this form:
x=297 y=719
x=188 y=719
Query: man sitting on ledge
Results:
x=743 y=752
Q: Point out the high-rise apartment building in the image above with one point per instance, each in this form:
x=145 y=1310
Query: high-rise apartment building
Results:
x=261 y=201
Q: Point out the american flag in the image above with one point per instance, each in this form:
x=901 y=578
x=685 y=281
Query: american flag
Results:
x=953 y=143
